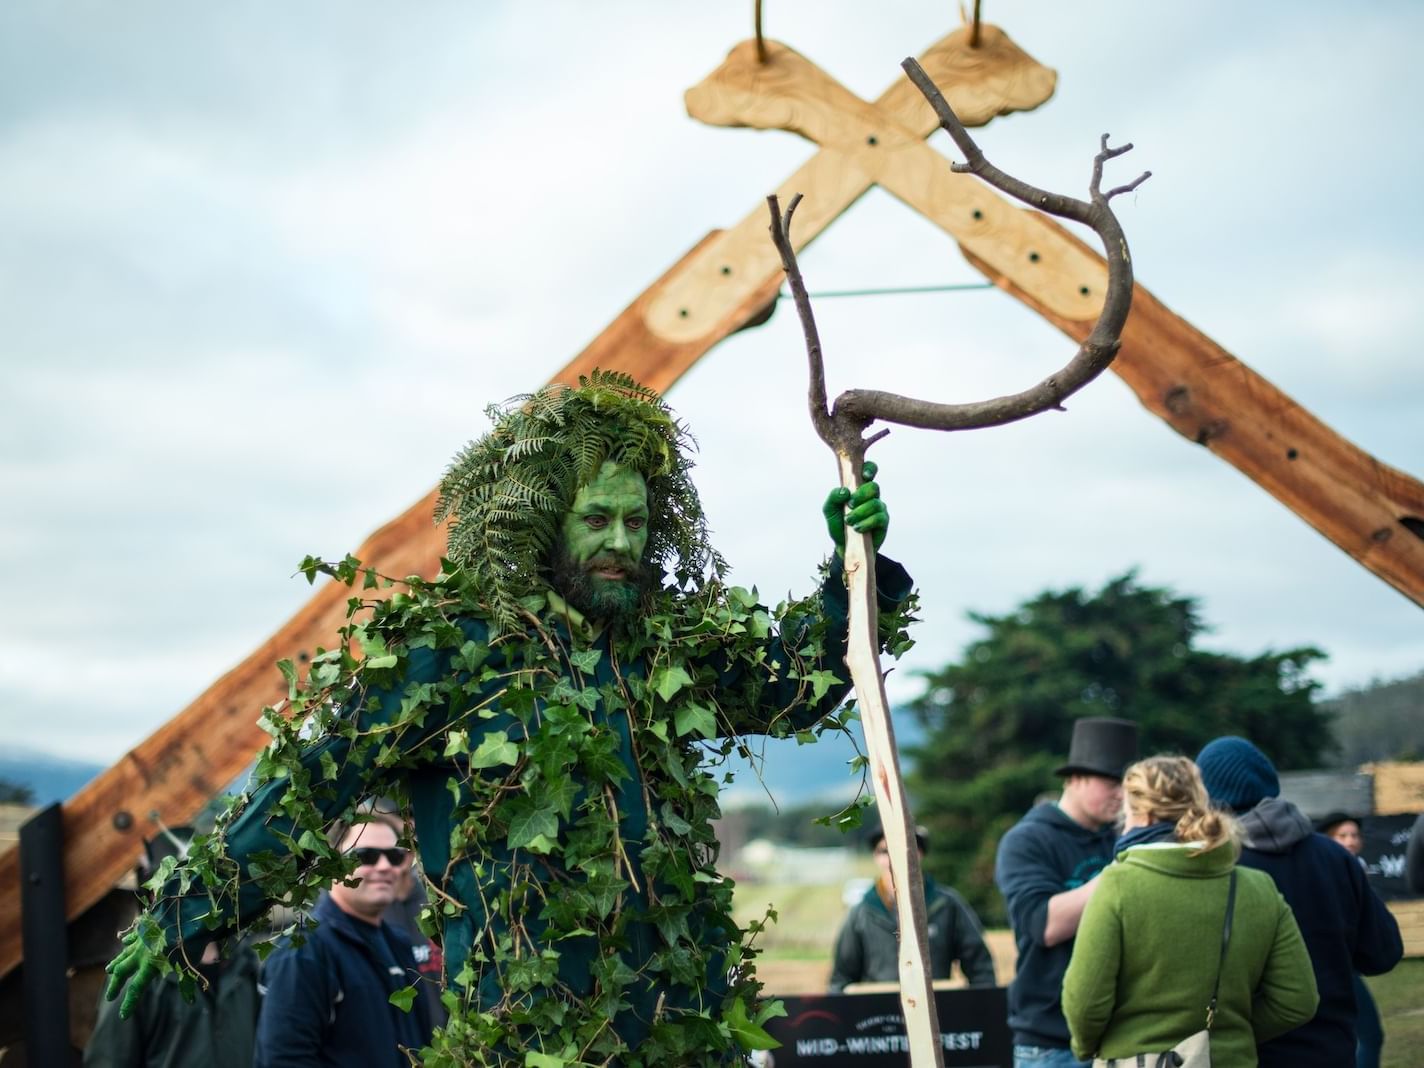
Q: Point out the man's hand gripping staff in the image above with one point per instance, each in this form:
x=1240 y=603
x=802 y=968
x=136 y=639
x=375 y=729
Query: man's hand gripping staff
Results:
x=863 y=510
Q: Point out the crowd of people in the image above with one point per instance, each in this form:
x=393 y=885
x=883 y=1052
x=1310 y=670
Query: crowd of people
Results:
x=537 y=680
x=1155 y=904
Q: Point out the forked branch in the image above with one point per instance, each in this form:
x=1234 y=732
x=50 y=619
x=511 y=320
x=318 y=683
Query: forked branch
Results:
x=857 y=408
x=841 y=427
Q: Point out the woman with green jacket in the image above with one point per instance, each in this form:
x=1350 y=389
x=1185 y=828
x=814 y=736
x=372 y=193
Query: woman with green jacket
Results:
x=1149 y=947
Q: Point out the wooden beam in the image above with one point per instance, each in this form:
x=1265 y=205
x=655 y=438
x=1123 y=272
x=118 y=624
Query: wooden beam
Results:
x=1372 y=511
x=176 y=770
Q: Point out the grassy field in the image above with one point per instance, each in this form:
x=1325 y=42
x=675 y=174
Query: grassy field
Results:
x=797 y=960
x=1400 y=996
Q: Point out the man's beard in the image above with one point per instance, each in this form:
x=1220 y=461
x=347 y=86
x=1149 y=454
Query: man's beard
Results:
x=596 y=598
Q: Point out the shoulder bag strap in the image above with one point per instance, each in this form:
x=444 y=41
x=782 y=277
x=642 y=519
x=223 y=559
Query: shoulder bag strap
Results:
x=1225 y=938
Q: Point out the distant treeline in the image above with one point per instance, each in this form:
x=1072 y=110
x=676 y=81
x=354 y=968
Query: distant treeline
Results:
x=1381 y=721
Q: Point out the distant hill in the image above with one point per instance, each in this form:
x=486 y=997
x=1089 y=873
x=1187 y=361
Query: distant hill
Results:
x=1382 y=721
x=50 y=778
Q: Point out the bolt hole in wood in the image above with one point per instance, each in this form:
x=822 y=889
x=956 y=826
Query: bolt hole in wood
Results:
x=682 y=313
x=872 y=140
x=726 y=269
x=978 y=214
x=1084 y=291
x=1291 y=454
x=1033 y=257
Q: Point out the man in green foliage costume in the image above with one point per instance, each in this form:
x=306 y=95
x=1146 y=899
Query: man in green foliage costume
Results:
x=552 y=708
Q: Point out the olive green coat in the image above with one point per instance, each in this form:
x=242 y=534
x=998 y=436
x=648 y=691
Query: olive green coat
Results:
x=1147 y=952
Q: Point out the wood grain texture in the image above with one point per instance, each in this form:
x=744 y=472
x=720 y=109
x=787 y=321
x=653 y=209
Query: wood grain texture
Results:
x=863 y=144
x=788 y=92
x=892 y=803
x=1398 y=785
x=1372 y=511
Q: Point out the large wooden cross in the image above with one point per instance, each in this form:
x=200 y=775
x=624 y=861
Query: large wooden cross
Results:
x=729 y=282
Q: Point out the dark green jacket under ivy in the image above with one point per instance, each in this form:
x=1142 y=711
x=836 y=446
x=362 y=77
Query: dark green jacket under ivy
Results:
x=562 y=805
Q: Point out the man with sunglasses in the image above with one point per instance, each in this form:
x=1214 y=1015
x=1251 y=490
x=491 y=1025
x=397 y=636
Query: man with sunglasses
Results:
x=327 y=1001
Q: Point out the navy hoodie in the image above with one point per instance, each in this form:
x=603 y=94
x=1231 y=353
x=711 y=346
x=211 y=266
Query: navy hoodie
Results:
x=1044 y=854
x=327 y=1002
x=1346 y=928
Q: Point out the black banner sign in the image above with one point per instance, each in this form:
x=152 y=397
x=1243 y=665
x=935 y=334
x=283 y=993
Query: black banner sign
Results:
x=1384 y=839
x=865 y=1030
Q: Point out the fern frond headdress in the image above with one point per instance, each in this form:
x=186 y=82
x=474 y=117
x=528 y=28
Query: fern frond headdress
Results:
x=506 y=494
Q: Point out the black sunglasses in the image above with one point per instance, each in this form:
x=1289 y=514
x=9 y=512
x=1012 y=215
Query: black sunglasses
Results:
x=370 y=855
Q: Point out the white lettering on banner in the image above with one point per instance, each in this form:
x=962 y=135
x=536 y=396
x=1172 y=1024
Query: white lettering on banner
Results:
x=878 y=1044
x=817 y=1047
x=1392 y=867
x=961 y=1039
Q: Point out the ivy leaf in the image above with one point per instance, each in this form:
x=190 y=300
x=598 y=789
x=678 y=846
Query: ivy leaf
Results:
x=375 y=663
x=821 y=681
x=457 y=742
x=667 y=681
x=404 y=998
x=543 y=1060
x=532 y=826
x=748 y=1033
x=586 y=660
x=770 y=1010
x=495 y=749
x=692 y=717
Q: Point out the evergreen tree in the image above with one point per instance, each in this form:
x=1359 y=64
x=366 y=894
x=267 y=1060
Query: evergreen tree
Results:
x=998 y=721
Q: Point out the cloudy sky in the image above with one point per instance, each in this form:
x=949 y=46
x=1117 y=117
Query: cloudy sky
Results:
x=262 y=266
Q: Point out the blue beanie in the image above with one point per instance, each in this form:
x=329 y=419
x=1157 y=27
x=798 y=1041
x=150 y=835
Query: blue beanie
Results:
x=1236 y=774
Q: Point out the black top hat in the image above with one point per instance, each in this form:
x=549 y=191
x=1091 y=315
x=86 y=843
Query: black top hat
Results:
x=1101 y=746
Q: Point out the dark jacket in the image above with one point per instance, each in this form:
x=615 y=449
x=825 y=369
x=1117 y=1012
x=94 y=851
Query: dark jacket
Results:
x=751 y=700
x=215 y=1031
x=1346 y=927
x=327 y=1001
x=1044 y=854
x=868 y=946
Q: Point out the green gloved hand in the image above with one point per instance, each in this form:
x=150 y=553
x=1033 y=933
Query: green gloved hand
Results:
x=136 y=965
x=863 y=510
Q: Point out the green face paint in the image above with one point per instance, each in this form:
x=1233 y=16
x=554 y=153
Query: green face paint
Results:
x=600 y=566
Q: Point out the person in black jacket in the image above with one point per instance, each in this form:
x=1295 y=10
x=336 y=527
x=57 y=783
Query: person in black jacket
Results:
x=328 y=1001
x=868 y=946
x=1346 y=927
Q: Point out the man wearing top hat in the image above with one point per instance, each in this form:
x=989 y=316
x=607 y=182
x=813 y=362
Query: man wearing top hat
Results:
x=1045 y=869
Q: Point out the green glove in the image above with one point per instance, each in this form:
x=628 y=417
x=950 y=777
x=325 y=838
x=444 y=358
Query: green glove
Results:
x=136 y=965
x=864 y=510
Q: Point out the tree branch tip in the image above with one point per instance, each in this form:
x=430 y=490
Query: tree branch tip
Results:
x=961 y=168
x=1129 y=187
x=881 y=433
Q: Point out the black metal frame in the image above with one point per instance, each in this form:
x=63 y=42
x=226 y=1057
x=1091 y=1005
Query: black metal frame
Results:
x=45 y=933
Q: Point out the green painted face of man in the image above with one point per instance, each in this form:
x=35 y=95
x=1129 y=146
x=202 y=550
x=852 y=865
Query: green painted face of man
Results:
x=598 y=564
